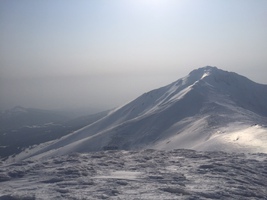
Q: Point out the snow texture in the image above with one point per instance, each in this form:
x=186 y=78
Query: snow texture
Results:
x=138 y=151
x=145 y=174
x=210 y=109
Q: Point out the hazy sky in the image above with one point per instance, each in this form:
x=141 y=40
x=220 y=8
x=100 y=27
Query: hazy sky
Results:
x=103 y=53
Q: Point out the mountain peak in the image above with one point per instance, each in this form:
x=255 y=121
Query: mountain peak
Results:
x=201 y=111
x=17 y=110
x=219 y=77
x=202 y=70
x=201 y=73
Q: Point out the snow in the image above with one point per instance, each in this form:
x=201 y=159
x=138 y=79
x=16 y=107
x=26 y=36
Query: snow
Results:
x=141 y=149
x=127 y=175
x=205 y=75
x=248 y=139
x=145 y=174
x=188 y=113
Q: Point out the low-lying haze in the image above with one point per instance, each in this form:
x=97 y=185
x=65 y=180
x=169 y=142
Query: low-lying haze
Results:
x=66 y=54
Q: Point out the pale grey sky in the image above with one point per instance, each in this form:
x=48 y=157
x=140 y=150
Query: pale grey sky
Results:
x=103 y=53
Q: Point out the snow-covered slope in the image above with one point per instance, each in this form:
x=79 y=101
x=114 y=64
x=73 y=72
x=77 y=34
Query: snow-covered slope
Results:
x=210 y=109
x=146 y=174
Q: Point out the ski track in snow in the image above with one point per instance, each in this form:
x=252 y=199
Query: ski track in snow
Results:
x=146 y=174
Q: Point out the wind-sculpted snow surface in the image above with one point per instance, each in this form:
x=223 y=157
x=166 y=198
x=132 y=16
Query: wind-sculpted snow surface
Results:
x=146 y=174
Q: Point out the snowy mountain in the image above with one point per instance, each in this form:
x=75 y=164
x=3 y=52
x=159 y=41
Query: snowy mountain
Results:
x=210 y=109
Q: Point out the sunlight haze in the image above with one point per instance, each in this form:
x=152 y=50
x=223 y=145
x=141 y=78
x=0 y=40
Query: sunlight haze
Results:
x=87 y=53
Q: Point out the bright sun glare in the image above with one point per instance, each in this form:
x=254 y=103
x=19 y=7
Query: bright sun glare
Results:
x=150 y=2
x=150 y=5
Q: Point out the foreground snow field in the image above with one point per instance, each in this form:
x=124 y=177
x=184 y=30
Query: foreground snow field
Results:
x=145 y=174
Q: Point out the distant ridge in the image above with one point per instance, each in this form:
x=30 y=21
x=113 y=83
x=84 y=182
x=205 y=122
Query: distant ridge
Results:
x=209 y=109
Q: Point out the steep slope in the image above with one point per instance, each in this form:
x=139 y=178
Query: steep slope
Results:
x=188 y=113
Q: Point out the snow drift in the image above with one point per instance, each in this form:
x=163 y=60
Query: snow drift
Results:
x=146 y=174
x=210 y=109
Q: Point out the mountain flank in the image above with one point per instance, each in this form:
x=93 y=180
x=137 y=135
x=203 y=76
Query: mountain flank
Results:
x=209 y=109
